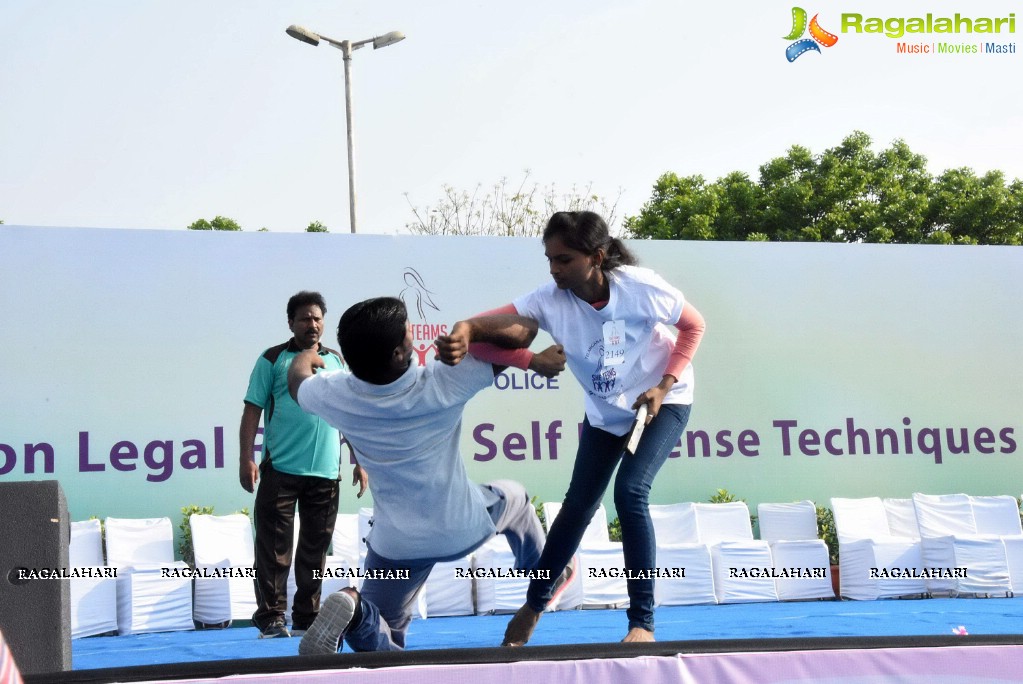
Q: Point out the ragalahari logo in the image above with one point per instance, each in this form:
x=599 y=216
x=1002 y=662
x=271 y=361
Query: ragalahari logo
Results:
x=818 y=36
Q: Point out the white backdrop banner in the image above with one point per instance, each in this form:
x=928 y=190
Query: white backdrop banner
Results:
x=826 y=370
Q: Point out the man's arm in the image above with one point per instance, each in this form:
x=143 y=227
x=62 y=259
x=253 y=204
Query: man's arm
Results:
x=360 y=478
x=248 y=471
x=302 y=368
x=508 y=331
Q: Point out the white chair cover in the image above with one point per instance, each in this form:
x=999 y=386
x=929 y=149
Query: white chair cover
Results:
x=742 y=565
x=800 y=557
x=140 y=548
x=787 y=521
x=93 y=599
x=874 y=563
x=448 y=592
x=719 y=522
x=223 y=541
x=952 y=545
x=901 y=515
x=999 y=515
x=679 y=547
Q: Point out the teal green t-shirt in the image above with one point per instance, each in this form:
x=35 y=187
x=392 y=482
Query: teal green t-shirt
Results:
x=296 y=442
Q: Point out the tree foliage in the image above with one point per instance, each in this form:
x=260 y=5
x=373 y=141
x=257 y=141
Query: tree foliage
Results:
x=504 y=210
x=316 y=227
x=847 y=193
x=218 y=223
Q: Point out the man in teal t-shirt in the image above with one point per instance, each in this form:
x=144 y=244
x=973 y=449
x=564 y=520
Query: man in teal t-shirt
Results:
x=300 y=465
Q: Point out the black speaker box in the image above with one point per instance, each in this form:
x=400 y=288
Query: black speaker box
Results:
x=35 y=614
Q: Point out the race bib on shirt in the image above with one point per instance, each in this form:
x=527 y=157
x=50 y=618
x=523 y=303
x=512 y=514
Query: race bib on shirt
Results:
x=614 y=343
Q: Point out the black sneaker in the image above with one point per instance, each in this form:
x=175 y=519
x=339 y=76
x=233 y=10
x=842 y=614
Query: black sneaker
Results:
x=337 y=614
x=275 y=630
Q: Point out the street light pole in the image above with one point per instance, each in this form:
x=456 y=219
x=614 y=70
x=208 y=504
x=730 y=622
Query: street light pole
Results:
x=347 y=47
x=346 y=52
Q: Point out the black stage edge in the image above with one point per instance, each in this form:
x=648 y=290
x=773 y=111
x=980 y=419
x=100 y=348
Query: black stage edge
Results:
x=471 y=656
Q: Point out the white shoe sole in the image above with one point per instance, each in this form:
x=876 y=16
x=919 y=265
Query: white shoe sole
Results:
x=324 y=635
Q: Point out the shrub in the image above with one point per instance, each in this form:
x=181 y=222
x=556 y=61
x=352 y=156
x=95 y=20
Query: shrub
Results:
x=826 y=531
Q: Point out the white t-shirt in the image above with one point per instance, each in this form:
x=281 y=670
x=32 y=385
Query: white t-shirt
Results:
x=640 y=312
x=406 y=436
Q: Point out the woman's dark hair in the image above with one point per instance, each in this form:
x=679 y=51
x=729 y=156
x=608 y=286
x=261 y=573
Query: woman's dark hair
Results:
x=368 y=332
x=586 y=232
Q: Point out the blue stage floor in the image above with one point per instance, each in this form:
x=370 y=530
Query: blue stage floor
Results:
x=924 y=617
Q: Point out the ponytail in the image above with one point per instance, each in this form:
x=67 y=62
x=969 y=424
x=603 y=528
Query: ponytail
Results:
x=618 y=255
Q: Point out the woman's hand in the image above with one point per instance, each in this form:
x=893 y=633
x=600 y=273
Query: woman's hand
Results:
x=452 y=348
x=654 y=397
x=549 y=362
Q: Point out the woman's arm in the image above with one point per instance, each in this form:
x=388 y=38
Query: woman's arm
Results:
x=690 y=331
x=452 y=348
x=547 y=363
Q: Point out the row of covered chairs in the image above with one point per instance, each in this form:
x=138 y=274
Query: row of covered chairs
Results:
x=929 y=545
x=141 y=596
x=153 y=592
x=702 y=544
x=706 y=553
x=723 y=561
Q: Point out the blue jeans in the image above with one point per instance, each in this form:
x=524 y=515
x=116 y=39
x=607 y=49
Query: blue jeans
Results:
x=595 y=462
x=387 y=604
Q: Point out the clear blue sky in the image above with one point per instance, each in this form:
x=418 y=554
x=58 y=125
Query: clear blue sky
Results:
x=153 y=113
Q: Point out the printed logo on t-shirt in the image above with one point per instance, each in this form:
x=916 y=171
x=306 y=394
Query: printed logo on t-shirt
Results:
x=604 y=379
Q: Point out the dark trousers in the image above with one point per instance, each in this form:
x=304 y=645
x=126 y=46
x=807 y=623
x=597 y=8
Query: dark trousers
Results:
x=599 y=454
x=276 y=498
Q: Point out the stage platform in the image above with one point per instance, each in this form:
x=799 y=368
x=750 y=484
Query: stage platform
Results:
x=799 y=641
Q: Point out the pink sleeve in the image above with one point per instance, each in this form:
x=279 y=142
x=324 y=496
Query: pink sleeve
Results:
x=690 y=330
x=499 y=356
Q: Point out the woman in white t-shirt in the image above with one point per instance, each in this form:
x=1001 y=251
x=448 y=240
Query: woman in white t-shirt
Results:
x=612 y=322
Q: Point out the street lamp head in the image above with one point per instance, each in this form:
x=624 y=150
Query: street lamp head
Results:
x=303 y=34
x=346 y=47
x=387 y=39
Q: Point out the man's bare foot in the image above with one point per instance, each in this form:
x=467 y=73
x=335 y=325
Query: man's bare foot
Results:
x=521 y=627
x=638 y=634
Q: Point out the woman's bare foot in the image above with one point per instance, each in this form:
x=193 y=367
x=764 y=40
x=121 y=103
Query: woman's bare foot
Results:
x=638 y=634
x=521 y=627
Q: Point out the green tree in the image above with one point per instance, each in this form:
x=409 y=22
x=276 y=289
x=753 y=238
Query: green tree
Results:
x=218 y=223
x=847 y=193
x=967 y=209
x=504 y=210
x=316 y=227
